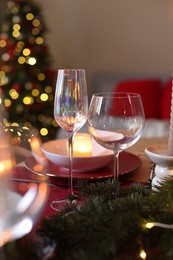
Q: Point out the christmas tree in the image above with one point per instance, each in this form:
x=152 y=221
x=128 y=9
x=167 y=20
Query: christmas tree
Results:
x=26 y=81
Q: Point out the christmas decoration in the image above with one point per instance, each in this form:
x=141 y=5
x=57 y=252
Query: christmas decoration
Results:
x=114 y=222
x=26 y=81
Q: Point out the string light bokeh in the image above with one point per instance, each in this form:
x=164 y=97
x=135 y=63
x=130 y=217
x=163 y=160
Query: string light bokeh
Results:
x=26 y=80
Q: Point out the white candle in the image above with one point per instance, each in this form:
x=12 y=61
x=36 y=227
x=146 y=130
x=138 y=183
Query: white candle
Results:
x=170 y=139
x=82 y=145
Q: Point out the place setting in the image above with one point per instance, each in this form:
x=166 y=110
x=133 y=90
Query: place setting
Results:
x=97 y=165
x=115 y=122
x=39 y=178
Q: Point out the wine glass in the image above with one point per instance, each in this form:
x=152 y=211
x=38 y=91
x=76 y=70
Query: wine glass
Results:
x=116 y=121
x=22 y=196
x=70 y=112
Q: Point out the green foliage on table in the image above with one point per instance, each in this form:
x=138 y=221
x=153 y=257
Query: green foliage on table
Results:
x=111 y=224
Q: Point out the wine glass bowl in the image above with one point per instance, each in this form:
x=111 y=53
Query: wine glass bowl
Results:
x=71 y=101
x=20 y=202
x=116 y=121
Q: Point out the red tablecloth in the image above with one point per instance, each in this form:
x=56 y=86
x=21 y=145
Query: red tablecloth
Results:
x=55 y=191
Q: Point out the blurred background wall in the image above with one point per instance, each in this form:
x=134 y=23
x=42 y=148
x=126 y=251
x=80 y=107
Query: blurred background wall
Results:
x=110 y=36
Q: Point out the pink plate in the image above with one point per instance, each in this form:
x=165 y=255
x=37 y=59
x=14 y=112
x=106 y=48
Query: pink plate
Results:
x=128 y=163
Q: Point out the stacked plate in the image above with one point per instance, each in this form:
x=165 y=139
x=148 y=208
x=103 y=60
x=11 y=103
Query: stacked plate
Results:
x=97 y=166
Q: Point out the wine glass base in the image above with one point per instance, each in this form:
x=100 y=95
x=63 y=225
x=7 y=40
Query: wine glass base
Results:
x=68 y=204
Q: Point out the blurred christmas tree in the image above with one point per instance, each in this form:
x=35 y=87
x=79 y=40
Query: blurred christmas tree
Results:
x=26 y=81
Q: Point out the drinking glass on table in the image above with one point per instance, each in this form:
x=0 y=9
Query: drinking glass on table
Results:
x=70 y=112
x=116 y=121
x=22 y=194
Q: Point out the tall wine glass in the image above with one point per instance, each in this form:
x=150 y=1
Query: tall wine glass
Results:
x=70 y=112
x=116 y=121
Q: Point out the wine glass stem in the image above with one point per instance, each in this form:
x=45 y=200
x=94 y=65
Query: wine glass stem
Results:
x=116 y=165
x=70 y=144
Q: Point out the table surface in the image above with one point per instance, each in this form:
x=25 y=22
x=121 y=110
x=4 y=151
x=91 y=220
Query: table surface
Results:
x=143 y=173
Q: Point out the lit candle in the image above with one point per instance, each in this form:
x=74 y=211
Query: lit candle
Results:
x=82 y=145
x=170 y=139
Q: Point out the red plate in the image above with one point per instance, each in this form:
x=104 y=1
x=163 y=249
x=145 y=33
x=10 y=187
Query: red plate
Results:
x=128 y=163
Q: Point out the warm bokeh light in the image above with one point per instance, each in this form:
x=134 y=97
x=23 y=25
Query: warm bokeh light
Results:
x=26 y=52
x=7 y=102
x=2 y=73
x=38 y=168
x=36 y=22
x=143 y=254
x=21 y=60
x=54 y=123
x=28 y=100
x=41 y=76
x=32 y=61
x=29 y=16
x=35 y=92
x=3 y=43
x=16 y=34
x=39 y=40
x=44 y=97
x=149 y=225
x=3 y=80
x=13 y=93
x=48 y=89
x=16 y=27
x=35 y=31
x=43 y=131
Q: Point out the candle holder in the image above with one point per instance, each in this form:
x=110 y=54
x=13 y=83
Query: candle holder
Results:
x=164 y=163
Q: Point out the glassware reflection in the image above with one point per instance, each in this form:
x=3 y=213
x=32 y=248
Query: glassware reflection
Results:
x=20 y=203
